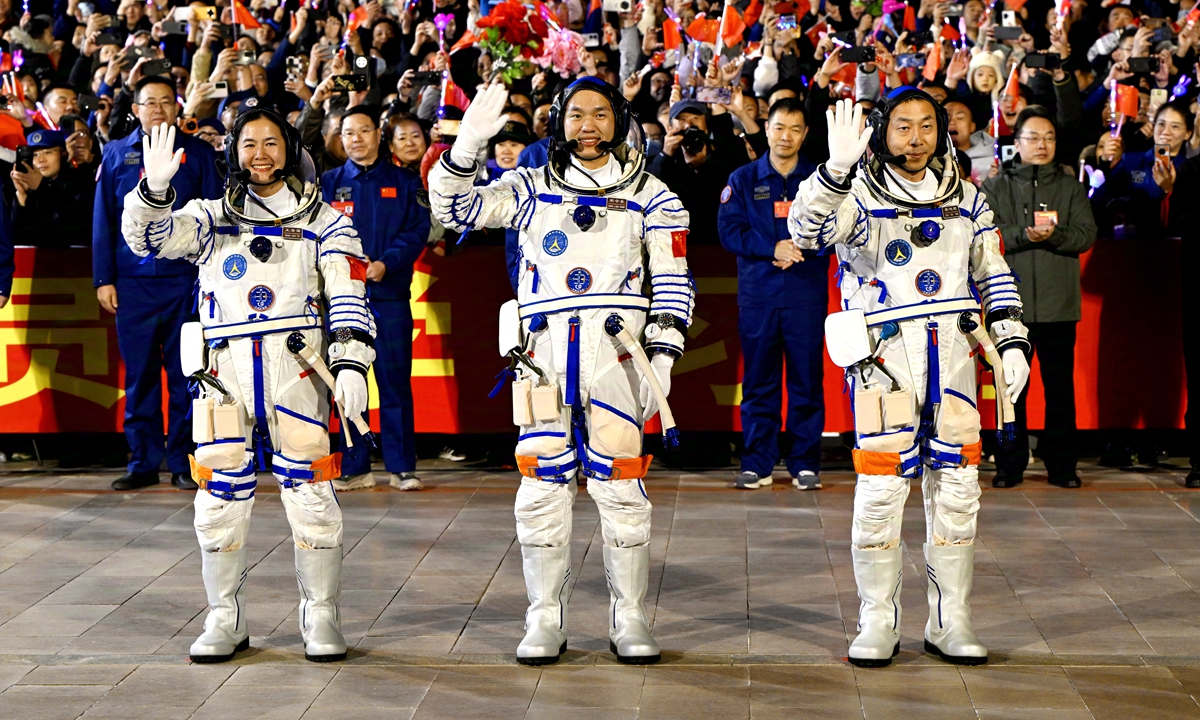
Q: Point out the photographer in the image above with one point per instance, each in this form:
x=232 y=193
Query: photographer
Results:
x=51 y=201
x=1046 y=223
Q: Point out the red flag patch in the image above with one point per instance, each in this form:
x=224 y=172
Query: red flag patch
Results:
x=358 y=268
x=387 y=192
x=679 y=243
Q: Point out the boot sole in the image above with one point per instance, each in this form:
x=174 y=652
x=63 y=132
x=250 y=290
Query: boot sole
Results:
x=544 y=660
x=955 y=659
x=875 y=662
x=209 y=659
x=336 y=657
x=633 y=659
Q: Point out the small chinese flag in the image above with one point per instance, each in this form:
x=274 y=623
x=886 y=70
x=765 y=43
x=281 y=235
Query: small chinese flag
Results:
x=933 y=63
x=703 y=30
x=1124 y=100
x=949 y=32
x=244 y=17
x=732 y=26
x=671 y=37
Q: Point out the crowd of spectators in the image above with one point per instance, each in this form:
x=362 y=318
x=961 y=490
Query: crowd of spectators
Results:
x=1076 y=117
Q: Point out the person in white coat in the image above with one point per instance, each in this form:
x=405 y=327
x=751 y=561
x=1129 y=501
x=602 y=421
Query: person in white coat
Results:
x=596 y=232
x=919 y=268
x=275 y=265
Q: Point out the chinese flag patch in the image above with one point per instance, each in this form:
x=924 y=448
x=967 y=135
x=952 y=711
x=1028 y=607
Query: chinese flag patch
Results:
x=679 y=243
x=358 y=268
x=387 y=192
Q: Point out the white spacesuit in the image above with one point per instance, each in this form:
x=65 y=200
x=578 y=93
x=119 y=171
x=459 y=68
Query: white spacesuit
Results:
x=276 y=264
x=592 y=240
x=917 y=256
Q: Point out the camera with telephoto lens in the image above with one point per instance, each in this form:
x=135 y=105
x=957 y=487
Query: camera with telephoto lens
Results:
x=694 y=140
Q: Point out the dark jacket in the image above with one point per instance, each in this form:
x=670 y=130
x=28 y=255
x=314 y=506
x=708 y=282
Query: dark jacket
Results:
x=1130 y=204
x=1048 y=271
x=58 y=214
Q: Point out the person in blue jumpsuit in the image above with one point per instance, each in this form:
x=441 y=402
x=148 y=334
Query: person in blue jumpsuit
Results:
x=782 y=303
x=151 y=298
x=390 y=211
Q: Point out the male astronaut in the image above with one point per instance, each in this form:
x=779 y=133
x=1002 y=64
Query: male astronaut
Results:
x=275 y=263
x=595 y=233
x=918 y=255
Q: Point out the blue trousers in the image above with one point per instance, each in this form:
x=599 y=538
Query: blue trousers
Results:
x=393 y=375
x=770 y=338
x=150 y=313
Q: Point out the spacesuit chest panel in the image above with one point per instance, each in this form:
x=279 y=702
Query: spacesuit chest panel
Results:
x=560 y=259
x=253 y=277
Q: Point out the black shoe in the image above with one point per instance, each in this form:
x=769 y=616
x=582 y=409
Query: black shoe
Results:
x=1193 y=478
x=135 y=481
x=184 y=481
x=1066 y=481
x=1006 y=481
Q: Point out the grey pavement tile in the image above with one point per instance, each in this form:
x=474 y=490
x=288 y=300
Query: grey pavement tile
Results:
x=1032 y=714
x=49 y=702
x=468 y=702
x=931 y=676
x=404 y=618
x=107 y=675
x=1145 y=692
x=356 y=713
x=377 y=687
x=62 y=619
x=1021 y=687
x=906 y=702
x=169 y=685
x=272 y=675
x=99 y=590
x=269 y=702
x=677 y=702
x=11 y=674
x=552 y=712
x=419 y=645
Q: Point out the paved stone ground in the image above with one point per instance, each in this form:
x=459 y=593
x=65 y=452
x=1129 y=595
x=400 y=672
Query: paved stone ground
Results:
x=1087 y=598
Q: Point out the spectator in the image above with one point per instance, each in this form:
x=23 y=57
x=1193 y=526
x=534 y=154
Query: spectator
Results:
x=977 y=144
x=505 y=148
x=152 y=299
x=407 y=141
x=52 y=201
x=1045 y=221
x=782 y=303
x=60 y=100
x=385 y=204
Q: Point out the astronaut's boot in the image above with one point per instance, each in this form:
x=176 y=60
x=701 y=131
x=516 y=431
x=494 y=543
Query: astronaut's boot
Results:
x=225 y=632
x=319 y=574
x=629 y=638
x=878 y=574
x=547 y=570
x=948 y=632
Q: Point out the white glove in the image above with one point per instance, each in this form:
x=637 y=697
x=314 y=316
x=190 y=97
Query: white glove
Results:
x=482 y=120
x=351 y=393
x=160 y=158
x=846 y=142
x=661 y=364
x=1016 y=372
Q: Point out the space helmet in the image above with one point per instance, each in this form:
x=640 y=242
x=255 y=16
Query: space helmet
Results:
x=628 y=144
x=299 y=172
x=942 y=163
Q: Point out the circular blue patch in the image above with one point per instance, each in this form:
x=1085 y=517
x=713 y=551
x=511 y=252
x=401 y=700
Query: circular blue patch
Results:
x=726 y=194
x=234 y=267
x=555 y=243
x=898 y=252
x=261 y=297
x=928 y=283
x=579 y=280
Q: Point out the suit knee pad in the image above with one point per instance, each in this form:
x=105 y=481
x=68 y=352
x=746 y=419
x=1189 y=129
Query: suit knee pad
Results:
x=301 y=439
x=624 y=512
x=314 y=514
x=613 y=435
x=543 y=512
x=878 y=511
x=221 y=525
x=955 y=505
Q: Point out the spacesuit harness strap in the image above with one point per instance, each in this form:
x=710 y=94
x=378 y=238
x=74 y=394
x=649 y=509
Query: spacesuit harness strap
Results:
x=906 y=464
x=604 y=203
x=228 y=485
x=590 y=301
x=946 y=212
x=258 y=328
x=927 y=308
x=320 y=470
x=287 y=233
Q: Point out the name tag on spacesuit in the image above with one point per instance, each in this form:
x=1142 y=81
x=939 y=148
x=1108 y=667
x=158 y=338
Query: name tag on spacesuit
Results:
x=344 y=207
x=782 y=208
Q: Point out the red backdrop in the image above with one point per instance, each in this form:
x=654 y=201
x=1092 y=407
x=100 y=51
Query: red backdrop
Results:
x=60 y=369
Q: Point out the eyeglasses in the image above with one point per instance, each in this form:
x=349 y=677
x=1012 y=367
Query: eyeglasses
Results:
x=161 y=104
x=358 y=134
x=1038 y=139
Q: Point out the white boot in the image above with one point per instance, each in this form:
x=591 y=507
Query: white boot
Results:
x=879 y=575
x=225 y=632
x=319 y=574
x=547 y=571
x=948 y=633
x=629 y=638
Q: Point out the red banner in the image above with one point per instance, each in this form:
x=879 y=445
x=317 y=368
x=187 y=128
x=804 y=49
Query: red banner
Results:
x=61 y=372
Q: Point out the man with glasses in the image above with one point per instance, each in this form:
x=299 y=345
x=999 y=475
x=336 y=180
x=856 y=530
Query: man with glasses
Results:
x=390 y=212
x=151 y=298
x=1045 y=220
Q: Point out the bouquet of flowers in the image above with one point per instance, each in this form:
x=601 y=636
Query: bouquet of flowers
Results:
x=512 y=35
x=562 y=52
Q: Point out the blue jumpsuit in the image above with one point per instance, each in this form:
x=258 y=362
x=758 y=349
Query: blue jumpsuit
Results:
x=154 y=298
x=390 y=212
x=781 y=315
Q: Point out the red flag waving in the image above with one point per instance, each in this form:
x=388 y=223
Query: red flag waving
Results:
x=753 y=12
x=703 y=30
x=671 y=37
x=732 y=26
x=1124 y=100
x=358 y=17
x=949 y=32
x=933 y=63
x=1012 y=89
x=244 y=17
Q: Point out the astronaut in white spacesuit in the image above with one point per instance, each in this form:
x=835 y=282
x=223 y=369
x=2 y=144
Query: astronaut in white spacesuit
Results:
x=275 y=264
x=918 y=256
x=596 y=232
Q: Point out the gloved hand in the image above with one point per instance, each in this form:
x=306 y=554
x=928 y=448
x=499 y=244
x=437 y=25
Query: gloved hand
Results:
x=482 y=120
x=1016 y=372
x=846 y=143
x=661 y=364
x=160 y=158
x=350 y=391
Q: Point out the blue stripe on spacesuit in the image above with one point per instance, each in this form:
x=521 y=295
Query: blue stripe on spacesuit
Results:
x=616 y=412
x=572 y=389
x=262 y=433
x=298 y=416
x=545 y=433
x=959 y=395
